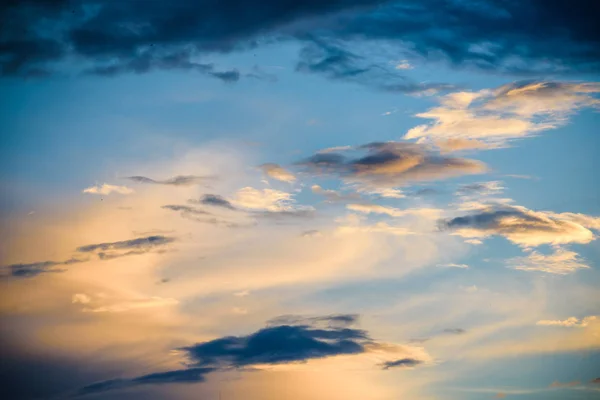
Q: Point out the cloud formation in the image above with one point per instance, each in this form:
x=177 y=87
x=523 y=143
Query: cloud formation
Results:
x=107 y=189
x=180 y=180
x=506 y=36
x=277 y=172
x=104 y=251
x=390 y=164
x=492 y=118
x=188 y=375
x=561 y=262
x=402 y=363
x=522 y=226
x=285 y=340
x=214 y=200
x=571 y=322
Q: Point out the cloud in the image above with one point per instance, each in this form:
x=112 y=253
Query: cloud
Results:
x=106 y=251
x=596 y=380
x=491 y=118
x=389 y=164
x=275 y=171
x=455 y=331
x=33 y=269
x=107 y=189
x=215 y=200
x=514 y=37
x=333 y=196
x=265 y=199
x=394 y=212
x=286 y=340
x=180 y=180
x=81 y=298
x=402 y=363
x=452 y=265
x=145 y=243
x=335 y=61
x=147 y=61
x=557 y=384
x=189 y=375
x=561 y=262
x=123 y=306
x=522 y=226
x=481 y=188
x=387 y=193
x=202 y=216
x=571 y=322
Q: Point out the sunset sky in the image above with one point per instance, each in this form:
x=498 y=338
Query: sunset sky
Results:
x=320 y=200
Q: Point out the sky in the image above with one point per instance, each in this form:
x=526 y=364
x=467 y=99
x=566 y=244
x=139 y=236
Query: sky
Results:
x=325 y=200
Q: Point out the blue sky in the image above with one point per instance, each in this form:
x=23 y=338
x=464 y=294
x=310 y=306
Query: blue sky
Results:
x=325 y=200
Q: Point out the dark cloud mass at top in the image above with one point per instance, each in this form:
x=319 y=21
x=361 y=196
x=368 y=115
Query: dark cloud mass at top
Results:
x=116 y=37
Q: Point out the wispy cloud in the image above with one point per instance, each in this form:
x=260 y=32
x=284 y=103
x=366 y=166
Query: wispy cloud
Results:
x=107 y=189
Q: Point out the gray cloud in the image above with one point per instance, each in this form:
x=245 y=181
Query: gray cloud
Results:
x=189 y=375
x=180 y=180
x=402 y=363
x=202 y=216
x=491 y=35
x=214 y=200
x=34 y=269
x=392 y=164
x=104 y=251
x=455 y=331
x=523 y=226
x=142 y=244
x=285 y=339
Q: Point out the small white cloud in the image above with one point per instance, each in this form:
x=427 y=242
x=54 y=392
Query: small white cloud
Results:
x=475 y=242
x=275 y=171
x=243 y=293
x=240 y=311
x=571 y=322
x=561 y=262
x=452 y=265
x=129 y=305
x=334 y=149
x=265 y=199
x=107 y=189
x=404 y=64
x=80 y=298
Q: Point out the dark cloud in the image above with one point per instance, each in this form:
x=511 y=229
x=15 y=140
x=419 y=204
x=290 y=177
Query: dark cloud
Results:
x=146 y=62
x=402 y=363
x=214 y=200
x=338 y=63
x=596 y=380
x=285 y=339
x=343 y=320
x=104 y=251
x=455 y=331
x=392 y=164
x=199 y=215
x=189 y=375
x=497 y=35
x=141 y=244
x=180 y=180
x=285 y=214
x=34 y=269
